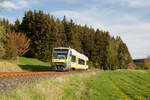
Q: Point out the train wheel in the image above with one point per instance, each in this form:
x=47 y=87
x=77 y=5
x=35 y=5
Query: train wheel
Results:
x=73 y=69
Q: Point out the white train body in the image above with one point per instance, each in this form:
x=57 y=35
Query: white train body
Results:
x=67 y=58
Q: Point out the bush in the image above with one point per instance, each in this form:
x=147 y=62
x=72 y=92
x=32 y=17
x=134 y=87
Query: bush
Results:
x=3 y=35
x=17 y=45
x=131 y=66
x=2 y=51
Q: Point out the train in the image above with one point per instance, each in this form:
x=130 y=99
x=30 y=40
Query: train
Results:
x=66 y=58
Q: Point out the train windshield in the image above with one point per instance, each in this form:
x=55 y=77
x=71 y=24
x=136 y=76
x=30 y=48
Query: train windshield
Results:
x=60 y=54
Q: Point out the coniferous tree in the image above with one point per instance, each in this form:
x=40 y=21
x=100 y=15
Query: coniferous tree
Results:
x=3 y=38
x=16 y=27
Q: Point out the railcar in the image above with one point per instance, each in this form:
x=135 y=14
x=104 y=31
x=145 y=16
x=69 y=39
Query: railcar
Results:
x=66 y=58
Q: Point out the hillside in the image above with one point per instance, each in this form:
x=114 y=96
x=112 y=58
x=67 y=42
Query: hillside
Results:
x=6 y=66
x=24 y=64
x=116 y=85
x=33 y=65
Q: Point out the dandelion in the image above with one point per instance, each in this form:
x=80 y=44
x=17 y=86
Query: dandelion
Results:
x=144 y=72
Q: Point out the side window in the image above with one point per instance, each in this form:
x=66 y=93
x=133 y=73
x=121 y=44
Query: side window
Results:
x=87 y=62
x=82 y=62
x=73 y=59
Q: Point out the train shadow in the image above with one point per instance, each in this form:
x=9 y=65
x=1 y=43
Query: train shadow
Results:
x=36 y=68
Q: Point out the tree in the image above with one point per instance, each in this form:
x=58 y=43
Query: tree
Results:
x=3 y=34
x=8 y=27
x=16 y=27
x=124 y=56
x=112 y=54
x=3 y=38
x=17 y=44
x=60 y=34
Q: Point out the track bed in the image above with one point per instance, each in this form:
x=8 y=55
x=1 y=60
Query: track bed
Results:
x=9 y=81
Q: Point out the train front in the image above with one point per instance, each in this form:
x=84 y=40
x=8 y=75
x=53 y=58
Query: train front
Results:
x=59 y=59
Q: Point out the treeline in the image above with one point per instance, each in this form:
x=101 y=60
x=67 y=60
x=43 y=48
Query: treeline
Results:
x=47 y=32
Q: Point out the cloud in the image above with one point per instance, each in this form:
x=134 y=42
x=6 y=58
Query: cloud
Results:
x=23 y=3
x=131 y=3
x=68 y=1
x=18 y=4
x=136 y=37
x=136 y=3
x=79 y=17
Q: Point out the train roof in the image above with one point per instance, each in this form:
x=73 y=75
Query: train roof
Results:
x=61 y=48
x=82 y=56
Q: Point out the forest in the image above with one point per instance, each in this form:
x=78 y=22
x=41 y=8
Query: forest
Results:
x=46 y=32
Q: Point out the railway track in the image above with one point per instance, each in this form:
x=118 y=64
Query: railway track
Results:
x=16 y=74
x=10 y=81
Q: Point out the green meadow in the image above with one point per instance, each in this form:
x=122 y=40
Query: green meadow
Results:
x=24 y=64
x=116 y=85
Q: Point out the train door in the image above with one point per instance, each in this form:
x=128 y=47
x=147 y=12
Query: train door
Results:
x=73 y=62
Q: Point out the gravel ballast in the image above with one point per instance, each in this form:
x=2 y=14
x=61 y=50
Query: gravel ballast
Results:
x=10 y=83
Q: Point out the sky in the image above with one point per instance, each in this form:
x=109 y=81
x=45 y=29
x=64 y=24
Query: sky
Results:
x=129 y=19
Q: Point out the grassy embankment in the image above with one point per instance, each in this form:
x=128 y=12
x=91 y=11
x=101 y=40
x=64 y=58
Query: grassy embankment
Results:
x=117 y=85
x=25 y=64
x=31 y=64
x=6 y=66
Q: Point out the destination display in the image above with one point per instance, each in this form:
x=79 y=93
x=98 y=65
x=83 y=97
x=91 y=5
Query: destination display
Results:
x=60 y=51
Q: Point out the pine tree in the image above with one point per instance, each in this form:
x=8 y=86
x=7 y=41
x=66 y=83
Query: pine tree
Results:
x=16 y=27
x=3 y=38
x=123 y=55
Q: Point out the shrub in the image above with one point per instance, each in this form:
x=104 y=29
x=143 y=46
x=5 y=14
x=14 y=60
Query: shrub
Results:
x=131 y=66
x=2 y=51
x=17 y=45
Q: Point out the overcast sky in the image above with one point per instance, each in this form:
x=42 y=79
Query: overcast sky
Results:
x=129 y=19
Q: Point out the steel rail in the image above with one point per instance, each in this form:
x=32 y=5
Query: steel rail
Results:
x=17 y=74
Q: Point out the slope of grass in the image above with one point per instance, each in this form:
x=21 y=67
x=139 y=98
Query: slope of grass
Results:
x=32 y=64
x=6 y=66
x=32 y=61
x=24 y=64
x=117 y=85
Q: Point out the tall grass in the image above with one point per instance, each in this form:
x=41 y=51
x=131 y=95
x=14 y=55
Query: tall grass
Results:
x=6 y=66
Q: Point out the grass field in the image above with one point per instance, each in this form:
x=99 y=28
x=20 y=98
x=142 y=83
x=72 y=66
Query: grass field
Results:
x=31 y=64
x=24 y=64
x=117 y=85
